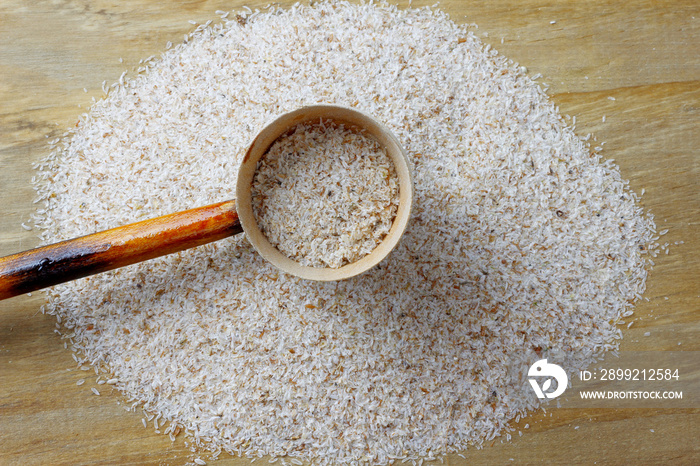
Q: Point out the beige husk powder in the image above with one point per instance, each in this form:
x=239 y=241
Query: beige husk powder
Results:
x=325 y=195
x=524 y=243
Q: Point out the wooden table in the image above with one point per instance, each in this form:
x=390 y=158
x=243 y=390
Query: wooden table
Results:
x=646 y=55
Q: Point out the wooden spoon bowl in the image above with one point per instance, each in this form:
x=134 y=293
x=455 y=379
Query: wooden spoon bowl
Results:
x=351 y=119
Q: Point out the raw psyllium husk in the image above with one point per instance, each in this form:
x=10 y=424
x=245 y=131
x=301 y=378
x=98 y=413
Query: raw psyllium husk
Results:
x=325 y=195
x=523 y=244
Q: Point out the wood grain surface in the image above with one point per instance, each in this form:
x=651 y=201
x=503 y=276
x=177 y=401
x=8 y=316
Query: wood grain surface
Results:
x=644 y=54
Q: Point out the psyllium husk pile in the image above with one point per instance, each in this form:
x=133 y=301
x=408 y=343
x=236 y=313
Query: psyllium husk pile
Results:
x=325 y=195
x=524 y=243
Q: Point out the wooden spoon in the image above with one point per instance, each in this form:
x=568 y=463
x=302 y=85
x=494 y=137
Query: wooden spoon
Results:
x=107 y=250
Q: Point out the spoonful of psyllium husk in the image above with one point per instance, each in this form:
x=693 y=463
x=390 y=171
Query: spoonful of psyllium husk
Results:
x=323 y=193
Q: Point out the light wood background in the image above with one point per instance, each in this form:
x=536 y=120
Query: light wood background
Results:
x=645 y=54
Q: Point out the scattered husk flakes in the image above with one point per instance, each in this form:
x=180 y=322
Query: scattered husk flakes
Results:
x=523 y=244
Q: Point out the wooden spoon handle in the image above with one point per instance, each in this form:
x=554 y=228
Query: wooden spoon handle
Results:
x=76 y=258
